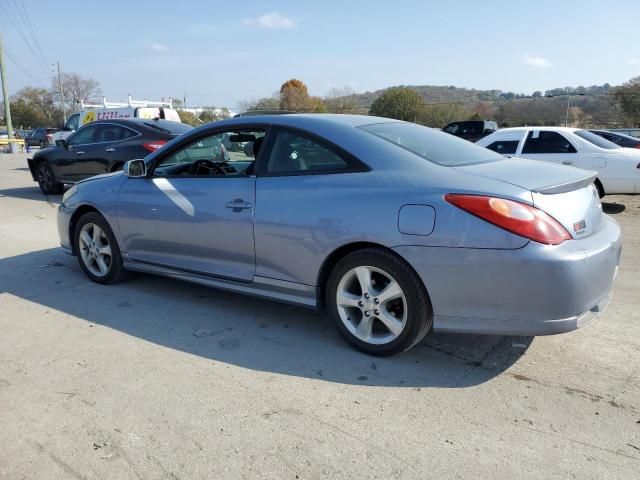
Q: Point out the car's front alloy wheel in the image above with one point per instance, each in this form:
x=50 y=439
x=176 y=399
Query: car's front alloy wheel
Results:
x=378 y=302
x=47 y=179
x=97 y=249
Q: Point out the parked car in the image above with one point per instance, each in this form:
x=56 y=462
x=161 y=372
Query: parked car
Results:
x=472 y=130
x=396 y=228
x=618 y=168
x=620 y=139
x=100 y=147
x=40 y=137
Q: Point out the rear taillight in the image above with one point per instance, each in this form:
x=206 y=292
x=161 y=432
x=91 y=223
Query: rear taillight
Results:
x=153 y=146
x=515 y=217
x=49 y=137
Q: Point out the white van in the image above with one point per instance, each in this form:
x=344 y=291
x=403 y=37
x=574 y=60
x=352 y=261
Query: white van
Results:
x=108 y=111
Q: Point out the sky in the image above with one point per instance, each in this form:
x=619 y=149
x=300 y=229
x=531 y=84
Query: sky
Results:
x=220 y=53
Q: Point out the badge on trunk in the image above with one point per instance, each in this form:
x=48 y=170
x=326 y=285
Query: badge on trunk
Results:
x=578 y=227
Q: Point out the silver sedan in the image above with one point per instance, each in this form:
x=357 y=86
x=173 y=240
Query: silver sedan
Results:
x=395 y=228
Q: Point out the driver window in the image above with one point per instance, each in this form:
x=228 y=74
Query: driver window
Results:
x=82 y=136
x=224 y=154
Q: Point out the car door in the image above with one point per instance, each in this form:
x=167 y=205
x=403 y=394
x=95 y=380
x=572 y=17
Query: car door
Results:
x=550 y=146
x=71 y=162
x=195 y=209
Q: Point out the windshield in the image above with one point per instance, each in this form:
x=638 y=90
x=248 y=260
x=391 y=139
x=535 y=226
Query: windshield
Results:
x=432 y=145
x=597 y=140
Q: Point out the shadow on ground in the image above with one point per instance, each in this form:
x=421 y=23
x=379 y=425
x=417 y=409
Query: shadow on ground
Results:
x=30 y=193
x=613 y=208
x=248 y=332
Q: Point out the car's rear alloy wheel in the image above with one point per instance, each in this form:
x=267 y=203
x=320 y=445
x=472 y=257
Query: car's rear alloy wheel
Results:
x=372 y=305
x=47 y=179
x=378 y=302
x=97 y=249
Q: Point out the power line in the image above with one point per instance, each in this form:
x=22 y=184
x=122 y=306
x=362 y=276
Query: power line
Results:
x=18 y=27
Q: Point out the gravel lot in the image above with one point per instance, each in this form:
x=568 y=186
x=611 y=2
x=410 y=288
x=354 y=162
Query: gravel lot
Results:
x=157 y=379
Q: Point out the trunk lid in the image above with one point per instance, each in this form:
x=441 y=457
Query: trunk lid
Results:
x=565 y=193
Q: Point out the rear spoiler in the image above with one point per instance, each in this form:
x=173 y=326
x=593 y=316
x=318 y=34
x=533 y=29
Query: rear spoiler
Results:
x=569 y=186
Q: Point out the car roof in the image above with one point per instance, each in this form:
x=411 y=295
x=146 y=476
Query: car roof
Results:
x=539 y=127
x=308 y=119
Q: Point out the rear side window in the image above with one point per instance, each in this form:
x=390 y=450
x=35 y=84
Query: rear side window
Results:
x=546 y=142
x=504 y=147
x=113 y=133
x=298 y=154
x=432 y=145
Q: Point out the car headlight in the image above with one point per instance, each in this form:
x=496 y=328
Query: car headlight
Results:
x=69 y=193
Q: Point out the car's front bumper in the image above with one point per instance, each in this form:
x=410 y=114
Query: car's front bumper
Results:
x=535 y=290
x=64 y=219
x=32 y=168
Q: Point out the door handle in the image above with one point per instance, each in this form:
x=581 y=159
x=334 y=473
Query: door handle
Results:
x=109 y=150
x=566 y=162
x=80 y=153
x=238 y=205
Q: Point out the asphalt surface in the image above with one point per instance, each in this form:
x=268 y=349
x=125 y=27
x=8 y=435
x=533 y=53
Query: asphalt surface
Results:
x=158 y=379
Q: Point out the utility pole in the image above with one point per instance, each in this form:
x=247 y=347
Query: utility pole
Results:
x=566 y=118
x=184 y=101
x=7 y=108
x=64 y=108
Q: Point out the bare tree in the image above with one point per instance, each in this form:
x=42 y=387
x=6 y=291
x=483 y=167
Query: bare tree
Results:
x=76 y=89
x=343 y=100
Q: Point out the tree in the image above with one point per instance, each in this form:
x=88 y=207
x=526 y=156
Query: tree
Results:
x=189 y=118
x=401 y=103
x=75 y=89
x=213 y=114
x=628 y=97
x=342 y=100
x=294 y=96
x=439 y=115
x=33 y=107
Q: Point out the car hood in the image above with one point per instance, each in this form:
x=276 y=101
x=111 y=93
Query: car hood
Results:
x=100 y=177
x=533 y=175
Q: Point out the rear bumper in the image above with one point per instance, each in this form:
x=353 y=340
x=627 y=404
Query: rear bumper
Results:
x=534 y=290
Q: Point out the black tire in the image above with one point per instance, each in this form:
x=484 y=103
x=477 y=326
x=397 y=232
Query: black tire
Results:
x=47 y=179
x=599 y=187
x=419 y=316
x=115 y=271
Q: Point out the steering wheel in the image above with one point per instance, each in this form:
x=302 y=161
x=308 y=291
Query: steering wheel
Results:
x=205 y=167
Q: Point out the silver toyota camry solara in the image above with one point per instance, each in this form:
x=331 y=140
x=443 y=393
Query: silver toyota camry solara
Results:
x=395 y=228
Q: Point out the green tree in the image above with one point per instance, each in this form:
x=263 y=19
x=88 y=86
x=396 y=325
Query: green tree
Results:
x=401 y=103
x=438 y=115
x=628 y=97
x=34 y=107
x=189 y=118
x=213 y=114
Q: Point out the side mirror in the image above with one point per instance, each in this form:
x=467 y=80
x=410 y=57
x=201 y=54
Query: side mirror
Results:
x=135 y=169
x=61 y=143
